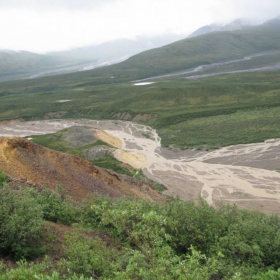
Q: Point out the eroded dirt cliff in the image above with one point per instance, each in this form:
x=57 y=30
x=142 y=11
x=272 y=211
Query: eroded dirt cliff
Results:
x=25 y=160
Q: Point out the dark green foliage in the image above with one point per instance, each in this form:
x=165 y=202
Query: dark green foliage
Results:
x=252 y=238
x=190 y=224
x=37 y=271
x=143 y=240
x=3 y=178
x=57 y=206
x=245 y=241
x=148 y=254
x=87 y=256
x=21 y=222
x=92 y=219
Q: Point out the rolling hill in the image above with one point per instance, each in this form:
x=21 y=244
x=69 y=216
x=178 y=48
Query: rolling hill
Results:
x=196 y=51
x=22 y=64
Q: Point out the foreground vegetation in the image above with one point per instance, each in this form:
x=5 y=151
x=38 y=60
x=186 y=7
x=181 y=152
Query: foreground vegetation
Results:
x=131 y=239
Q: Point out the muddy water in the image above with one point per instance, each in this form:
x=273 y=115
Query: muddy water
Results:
x=237 y=174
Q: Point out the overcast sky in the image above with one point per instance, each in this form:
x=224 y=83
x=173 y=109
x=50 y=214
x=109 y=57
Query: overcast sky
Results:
x=47 y=25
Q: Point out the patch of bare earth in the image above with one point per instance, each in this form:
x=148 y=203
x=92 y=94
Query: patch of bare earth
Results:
x=11 y=121
x=27 y=161
x=123 y=116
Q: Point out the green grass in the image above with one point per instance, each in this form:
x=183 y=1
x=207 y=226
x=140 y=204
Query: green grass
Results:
x=246 y=126
x=109 y=162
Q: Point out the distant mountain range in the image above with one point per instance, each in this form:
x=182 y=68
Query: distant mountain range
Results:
x=23 y=64
x=118 y=48
x=157 y=54
x=239 y=24
x=199 y=50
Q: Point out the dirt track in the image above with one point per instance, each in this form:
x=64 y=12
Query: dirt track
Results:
x=241 y=174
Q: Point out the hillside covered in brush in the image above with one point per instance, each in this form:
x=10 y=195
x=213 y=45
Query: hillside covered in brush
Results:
x=53 y=237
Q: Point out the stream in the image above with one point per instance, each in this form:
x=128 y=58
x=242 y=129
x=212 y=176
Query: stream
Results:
x=240 y=174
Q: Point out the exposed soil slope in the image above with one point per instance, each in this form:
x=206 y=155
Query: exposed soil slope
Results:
x=25 y=160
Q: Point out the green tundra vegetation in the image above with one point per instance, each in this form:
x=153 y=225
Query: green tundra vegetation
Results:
x=131 y=239
x=186 y=113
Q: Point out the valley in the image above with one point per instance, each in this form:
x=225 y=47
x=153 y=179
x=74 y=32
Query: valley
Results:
x=242 y=65
x=245 y=175
x=143 y=157
x=75 y=68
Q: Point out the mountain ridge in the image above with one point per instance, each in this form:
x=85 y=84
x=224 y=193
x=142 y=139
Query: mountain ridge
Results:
x=196 y=51
x=238 y=24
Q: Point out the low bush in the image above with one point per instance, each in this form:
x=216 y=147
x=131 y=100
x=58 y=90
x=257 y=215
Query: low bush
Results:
x=21 y=223
x=3 y=178
x=57 y=206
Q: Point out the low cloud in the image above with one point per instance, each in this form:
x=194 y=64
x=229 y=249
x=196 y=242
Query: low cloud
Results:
x=54 y=4
x=257 y=10
x=47 y=25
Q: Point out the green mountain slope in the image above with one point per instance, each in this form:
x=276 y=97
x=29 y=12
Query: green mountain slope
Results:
x=21 y=64
x=201 y=50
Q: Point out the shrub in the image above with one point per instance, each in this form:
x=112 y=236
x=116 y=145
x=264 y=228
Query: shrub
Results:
x=57 y=206
x=3 y=178
x=87 y=256
x=21 y=221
